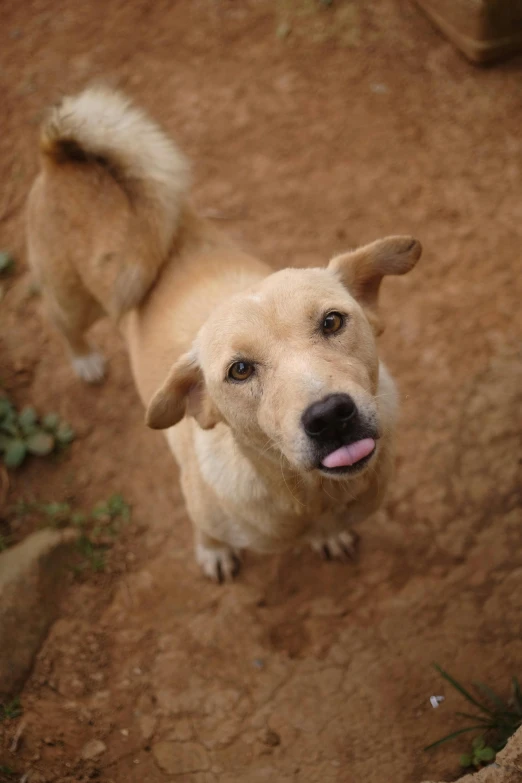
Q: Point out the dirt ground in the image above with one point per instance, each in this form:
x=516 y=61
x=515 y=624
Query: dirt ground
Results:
x=311 y=129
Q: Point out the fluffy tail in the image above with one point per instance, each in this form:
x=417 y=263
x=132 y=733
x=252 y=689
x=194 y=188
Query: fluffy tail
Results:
x=100 y=126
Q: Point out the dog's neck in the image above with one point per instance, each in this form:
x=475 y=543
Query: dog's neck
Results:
x=196 y=233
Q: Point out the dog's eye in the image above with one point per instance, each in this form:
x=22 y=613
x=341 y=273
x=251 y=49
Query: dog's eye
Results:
x=240 y=371
x=332 y=323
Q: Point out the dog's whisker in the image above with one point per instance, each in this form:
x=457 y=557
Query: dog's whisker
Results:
x=269 y=446
x=286 y=483
x=326 y=492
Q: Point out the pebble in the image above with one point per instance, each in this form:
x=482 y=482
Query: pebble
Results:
x=177 y=758
x=147 y=726
x=271 y=738
x=93 y=749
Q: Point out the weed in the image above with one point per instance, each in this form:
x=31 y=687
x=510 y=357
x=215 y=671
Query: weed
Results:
x=6 y=262
x=480 y=754
x=497 y=720
x=10 y=710
x=111 y=514
x=105 y=519
x=51 y=514
x=23 y=433
x=97 y=526
x=94 y=556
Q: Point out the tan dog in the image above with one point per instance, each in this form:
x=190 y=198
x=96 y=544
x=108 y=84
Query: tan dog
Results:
x=268 y=385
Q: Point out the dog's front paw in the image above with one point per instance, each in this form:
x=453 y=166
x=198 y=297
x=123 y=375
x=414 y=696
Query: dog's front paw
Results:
x=219 y=563
x=342 y=546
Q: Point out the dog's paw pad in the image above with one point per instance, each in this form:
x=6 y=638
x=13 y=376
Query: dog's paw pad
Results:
x=343 y=546
x=221 y=564
x=90 y=368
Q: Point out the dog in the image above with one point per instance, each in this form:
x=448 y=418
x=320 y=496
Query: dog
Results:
x=268 y=385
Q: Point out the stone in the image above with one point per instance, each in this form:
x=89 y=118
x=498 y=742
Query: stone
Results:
x=271 y=738
x=34 y=776
x=511 y=756
x=484 y=30
x=93 y=749
x=147 y=725
x=32 y=578
x=178 y=758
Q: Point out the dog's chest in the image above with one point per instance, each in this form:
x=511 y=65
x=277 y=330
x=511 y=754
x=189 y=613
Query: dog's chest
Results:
x=266 y=508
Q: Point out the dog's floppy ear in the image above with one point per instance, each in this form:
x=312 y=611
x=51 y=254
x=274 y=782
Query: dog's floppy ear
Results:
x=362 y=270
x=182 y=393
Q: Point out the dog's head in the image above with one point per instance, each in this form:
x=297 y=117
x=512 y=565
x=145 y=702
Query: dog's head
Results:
x=291 y=365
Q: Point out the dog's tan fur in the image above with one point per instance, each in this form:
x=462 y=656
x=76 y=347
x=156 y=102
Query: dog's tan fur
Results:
x=111 y=232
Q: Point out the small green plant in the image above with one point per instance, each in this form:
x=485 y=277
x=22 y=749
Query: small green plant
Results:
x=97 y=526
x=497 y=720
x=23 y=433
x=104 y=520
x=10 y=710
x=8 y=771
x=480 y=754
x=6 y=262
x=94 y=556
x=114 y=509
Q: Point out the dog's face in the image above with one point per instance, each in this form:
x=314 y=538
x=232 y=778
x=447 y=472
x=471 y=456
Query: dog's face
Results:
x=291 y=365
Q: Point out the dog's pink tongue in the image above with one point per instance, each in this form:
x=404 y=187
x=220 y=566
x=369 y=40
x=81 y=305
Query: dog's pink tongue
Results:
x=349 y=455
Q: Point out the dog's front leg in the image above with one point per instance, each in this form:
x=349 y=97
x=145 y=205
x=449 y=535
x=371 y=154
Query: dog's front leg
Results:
x=217 y=560
x=336 y=546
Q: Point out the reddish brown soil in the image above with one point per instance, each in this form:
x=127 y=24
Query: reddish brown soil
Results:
x=361 y=122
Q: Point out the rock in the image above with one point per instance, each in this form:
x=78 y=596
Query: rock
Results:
x=178 y=758
x=33 y=776
x=93 y=749
x=271 y=738
x=507 y=769
x=36 y=777
x=32 y=578
x=511 y=756
x=147 y=726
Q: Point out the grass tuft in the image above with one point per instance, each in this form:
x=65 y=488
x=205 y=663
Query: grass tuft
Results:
x=497 y=720
x=10 y=710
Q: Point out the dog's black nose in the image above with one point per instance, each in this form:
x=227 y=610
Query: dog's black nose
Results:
x=329 y=418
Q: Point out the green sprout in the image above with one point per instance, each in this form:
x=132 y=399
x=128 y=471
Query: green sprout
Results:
x=10 y=710
x=496 y=720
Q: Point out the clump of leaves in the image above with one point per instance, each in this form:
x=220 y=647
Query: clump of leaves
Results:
x=23 y=433
x=497 y=720
x=10 y=710
x=480 y=754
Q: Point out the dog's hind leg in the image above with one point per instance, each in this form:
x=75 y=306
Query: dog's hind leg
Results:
x=72 y=320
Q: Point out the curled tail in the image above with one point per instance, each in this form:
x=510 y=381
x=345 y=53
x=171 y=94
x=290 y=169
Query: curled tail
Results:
x=100 y=127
